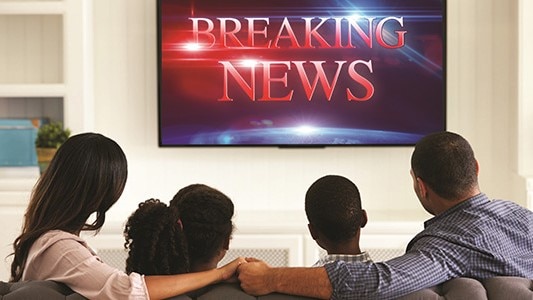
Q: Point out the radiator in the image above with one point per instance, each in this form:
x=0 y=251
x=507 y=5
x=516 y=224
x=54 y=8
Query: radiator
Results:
x=277 y=250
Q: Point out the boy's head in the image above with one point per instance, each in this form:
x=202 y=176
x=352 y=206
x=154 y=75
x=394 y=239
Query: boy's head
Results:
x=333 y=208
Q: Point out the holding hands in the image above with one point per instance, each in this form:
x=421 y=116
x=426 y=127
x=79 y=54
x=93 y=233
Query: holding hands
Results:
x=254 y=278
x=258 y=278
x=228 y=272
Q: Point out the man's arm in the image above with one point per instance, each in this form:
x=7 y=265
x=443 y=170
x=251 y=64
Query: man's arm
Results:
x=257 y=278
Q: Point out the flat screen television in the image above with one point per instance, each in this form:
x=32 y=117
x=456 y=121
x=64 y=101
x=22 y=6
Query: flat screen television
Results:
x=300 y=72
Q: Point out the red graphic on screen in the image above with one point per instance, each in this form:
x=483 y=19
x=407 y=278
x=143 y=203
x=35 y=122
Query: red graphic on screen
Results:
x=300 y=73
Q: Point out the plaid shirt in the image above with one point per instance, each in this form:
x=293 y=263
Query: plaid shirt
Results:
x=363 y=257
x=478 y=238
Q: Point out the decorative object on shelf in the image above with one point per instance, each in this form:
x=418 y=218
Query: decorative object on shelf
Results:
x=16 y=143
x=49 y=137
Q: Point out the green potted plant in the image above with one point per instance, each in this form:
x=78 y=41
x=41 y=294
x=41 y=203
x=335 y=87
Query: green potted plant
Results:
x=49 y=137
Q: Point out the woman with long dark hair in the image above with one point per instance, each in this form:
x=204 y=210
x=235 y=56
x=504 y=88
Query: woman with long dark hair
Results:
x=85 y=178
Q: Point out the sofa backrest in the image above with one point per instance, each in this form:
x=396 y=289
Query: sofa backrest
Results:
x=497 y=288
x=515 y=288
x=38 y=290
x=232 y=291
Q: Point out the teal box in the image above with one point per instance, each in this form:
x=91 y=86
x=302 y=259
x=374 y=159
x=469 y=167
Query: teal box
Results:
x=17 y=143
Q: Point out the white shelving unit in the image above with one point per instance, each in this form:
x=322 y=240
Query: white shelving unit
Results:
x=16 y=184
x=46 y=58
x=32 y=7
x=76 y=63
x=22 y=90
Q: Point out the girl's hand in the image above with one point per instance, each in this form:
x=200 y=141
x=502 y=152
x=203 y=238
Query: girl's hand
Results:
x=228 y=271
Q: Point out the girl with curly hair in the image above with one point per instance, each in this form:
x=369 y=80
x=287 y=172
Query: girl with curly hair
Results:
x=155 y=241
x=190 y=235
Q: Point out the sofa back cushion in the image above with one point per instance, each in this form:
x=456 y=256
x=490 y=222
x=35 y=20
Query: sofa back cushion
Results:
x=45 y=290
x=515 y=288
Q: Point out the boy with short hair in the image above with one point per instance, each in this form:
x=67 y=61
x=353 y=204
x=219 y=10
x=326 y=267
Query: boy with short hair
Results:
x=333 y=208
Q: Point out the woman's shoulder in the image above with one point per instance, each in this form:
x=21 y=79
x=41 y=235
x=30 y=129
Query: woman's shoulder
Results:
x=58 y=233
x=53 y=236
x=49 y=248
x=59 y=239
x=61 y=234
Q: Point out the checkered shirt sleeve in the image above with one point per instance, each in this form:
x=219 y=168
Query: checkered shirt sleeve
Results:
x=478 y=238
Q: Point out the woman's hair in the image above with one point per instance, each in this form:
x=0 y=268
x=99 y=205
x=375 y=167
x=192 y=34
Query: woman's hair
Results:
x=154 y=240
x=206 y=215
x=87 y=175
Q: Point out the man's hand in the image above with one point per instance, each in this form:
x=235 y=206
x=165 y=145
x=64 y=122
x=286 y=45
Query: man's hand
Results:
x=257 y=278
x=254 y=277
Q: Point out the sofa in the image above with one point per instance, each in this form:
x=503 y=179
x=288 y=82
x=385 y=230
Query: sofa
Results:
x=497 y=288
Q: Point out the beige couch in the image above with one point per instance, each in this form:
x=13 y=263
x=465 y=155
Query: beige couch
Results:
x=497 y=288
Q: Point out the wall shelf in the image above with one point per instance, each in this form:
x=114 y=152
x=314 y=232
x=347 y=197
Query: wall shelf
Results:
x=16 y=184
x=22 y=90
x=32 y=8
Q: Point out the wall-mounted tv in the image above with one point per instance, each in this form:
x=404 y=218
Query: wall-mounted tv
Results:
x=300 y=72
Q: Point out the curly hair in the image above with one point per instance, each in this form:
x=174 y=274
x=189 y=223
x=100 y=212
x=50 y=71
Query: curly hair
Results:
x=206 y=215
x=155 y=241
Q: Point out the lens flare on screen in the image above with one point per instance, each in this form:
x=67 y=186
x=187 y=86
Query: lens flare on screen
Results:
x=192 y=46
x=305 y=130
x=249 y=63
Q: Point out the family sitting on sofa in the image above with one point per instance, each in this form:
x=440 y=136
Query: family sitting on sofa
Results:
x=174 y=249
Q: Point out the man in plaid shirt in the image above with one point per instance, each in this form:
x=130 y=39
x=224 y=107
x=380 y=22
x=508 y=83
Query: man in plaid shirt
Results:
x=469 y=236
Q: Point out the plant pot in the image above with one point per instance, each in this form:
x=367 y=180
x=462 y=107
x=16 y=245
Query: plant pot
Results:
x=44 y=157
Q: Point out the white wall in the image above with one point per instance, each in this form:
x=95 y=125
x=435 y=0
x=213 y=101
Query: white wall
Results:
x=525 y=108
x=525 y=89
x=490 y=102
x=485 y=104
x=482 y=105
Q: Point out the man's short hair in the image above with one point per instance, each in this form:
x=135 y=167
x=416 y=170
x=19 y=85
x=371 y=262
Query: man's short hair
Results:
x=445 y=162
x=333 y=206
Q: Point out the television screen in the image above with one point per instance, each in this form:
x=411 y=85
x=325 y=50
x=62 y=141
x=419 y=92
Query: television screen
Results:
x=300 y=72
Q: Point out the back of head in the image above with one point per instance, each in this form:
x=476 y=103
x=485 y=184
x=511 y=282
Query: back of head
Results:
x=445 y=162
x=184 y=191
x=206 y=215
x=333 y=206
x=87 y=175
x=155 y=241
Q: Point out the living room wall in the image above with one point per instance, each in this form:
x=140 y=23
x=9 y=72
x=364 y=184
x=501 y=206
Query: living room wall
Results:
x=482 y=106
